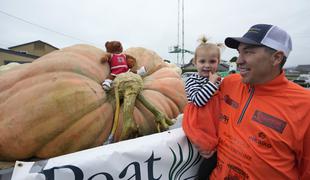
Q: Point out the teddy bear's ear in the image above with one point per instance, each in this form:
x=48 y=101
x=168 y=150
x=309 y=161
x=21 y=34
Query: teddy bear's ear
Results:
x=118 y=46
x=107 y=44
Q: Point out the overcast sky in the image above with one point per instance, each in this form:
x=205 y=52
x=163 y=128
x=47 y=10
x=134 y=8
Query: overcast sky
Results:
x=152 y=24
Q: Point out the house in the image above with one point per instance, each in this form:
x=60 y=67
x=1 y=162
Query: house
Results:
x=25 y=53
x=303 y=69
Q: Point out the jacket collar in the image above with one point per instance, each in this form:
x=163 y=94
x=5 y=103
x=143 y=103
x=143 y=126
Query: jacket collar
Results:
x=275 y=85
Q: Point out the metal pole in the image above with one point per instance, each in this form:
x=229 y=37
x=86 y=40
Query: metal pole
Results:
x=183 y=32
x=178 y=44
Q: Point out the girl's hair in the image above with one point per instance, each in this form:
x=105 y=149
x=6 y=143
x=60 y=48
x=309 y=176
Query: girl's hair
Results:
x=206 y=45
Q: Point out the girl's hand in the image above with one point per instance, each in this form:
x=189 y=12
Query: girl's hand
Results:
x=204 y=153
x=214 y=77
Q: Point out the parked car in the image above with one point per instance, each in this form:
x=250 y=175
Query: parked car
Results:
x=303 y=80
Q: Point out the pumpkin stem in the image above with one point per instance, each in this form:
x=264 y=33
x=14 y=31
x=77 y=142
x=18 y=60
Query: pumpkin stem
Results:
x=163 y=122
x=130 y=129
x=128 y=85
x=116 y=117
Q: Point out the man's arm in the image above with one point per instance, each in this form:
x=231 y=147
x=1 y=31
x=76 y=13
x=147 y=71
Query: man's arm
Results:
x=304 y=168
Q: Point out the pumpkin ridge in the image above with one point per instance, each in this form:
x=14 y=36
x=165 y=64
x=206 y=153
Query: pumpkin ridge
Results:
x=73 y=59
x=164 y=72
x=55 y=66
x=161 y=93
x=92 y=107
x=78 y=129
x=166 y=91
x=46 y=77
x=73 y=118
x=173 y=110
x=179 y=104
x=144 y=127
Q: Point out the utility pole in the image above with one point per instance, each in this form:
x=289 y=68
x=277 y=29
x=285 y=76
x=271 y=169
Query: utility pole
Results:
x=178 y=42
x=177 y=48
x=182 y=32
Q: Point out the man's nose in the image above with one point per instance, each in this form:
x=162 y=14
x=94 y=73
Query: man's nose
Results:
x=240 y=59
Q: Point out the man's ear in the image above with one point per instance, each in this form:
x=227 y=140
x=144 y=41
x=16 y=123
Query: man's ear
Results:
x=277 y=58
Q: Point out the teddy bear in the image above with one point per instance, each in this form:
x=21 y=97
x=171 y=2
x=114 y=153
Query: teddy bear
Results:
x=119 y=62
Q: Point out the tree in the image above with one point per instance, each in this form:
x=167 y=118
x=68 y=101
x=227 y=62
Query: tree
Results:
x=233 y=59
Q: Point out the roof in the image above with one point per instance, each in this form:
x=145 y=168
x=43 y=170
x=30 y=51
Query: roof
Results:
x=38 y=41
x=305 y=67
x=18 y=53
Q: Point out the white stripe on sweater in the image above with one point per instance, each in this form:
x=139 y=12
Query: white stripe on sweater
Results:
x=199 y=89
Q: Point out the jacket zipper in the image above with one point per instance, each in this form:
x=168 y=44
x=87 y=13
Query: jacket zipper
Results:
x=246 y=105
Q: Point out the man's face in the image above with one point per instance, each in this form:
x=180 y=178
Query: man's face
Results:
x=206 y=61
x=255 y=64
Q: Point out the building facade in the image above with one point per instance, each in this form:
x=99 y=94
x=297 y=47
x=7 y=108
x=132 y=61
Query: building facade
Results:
x=25 y=53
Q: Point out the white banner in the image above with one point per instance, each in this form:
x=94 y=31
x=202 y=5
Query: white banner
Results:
x=166 y=156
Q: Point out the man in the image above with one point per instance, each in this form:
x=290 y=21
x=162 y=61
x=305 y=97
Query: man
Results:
x=264 y=130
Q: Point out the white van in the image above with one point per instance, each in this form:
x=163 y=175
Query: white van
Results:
x=303 y=80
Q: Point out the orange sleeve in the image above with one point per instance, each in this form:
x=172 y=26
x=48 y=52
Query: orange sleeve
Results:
x=200 y=124
x=304 y=169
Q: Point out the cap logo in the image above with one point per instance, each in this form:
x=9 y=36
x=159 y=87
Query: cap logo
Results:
x=254 y=30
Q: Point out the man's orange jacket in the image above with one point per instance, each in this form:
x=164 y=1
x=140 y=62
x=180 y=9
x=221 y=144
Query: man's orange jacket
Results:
x=264 y=130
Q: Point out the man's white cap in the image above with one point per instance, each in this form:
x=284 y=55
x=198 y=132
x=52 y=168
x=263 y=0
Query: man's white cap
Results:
x=266 y=35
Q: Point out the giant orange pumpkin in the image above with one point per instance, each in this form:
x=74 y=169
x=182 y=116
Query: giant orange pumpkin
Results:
x=56 y=104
